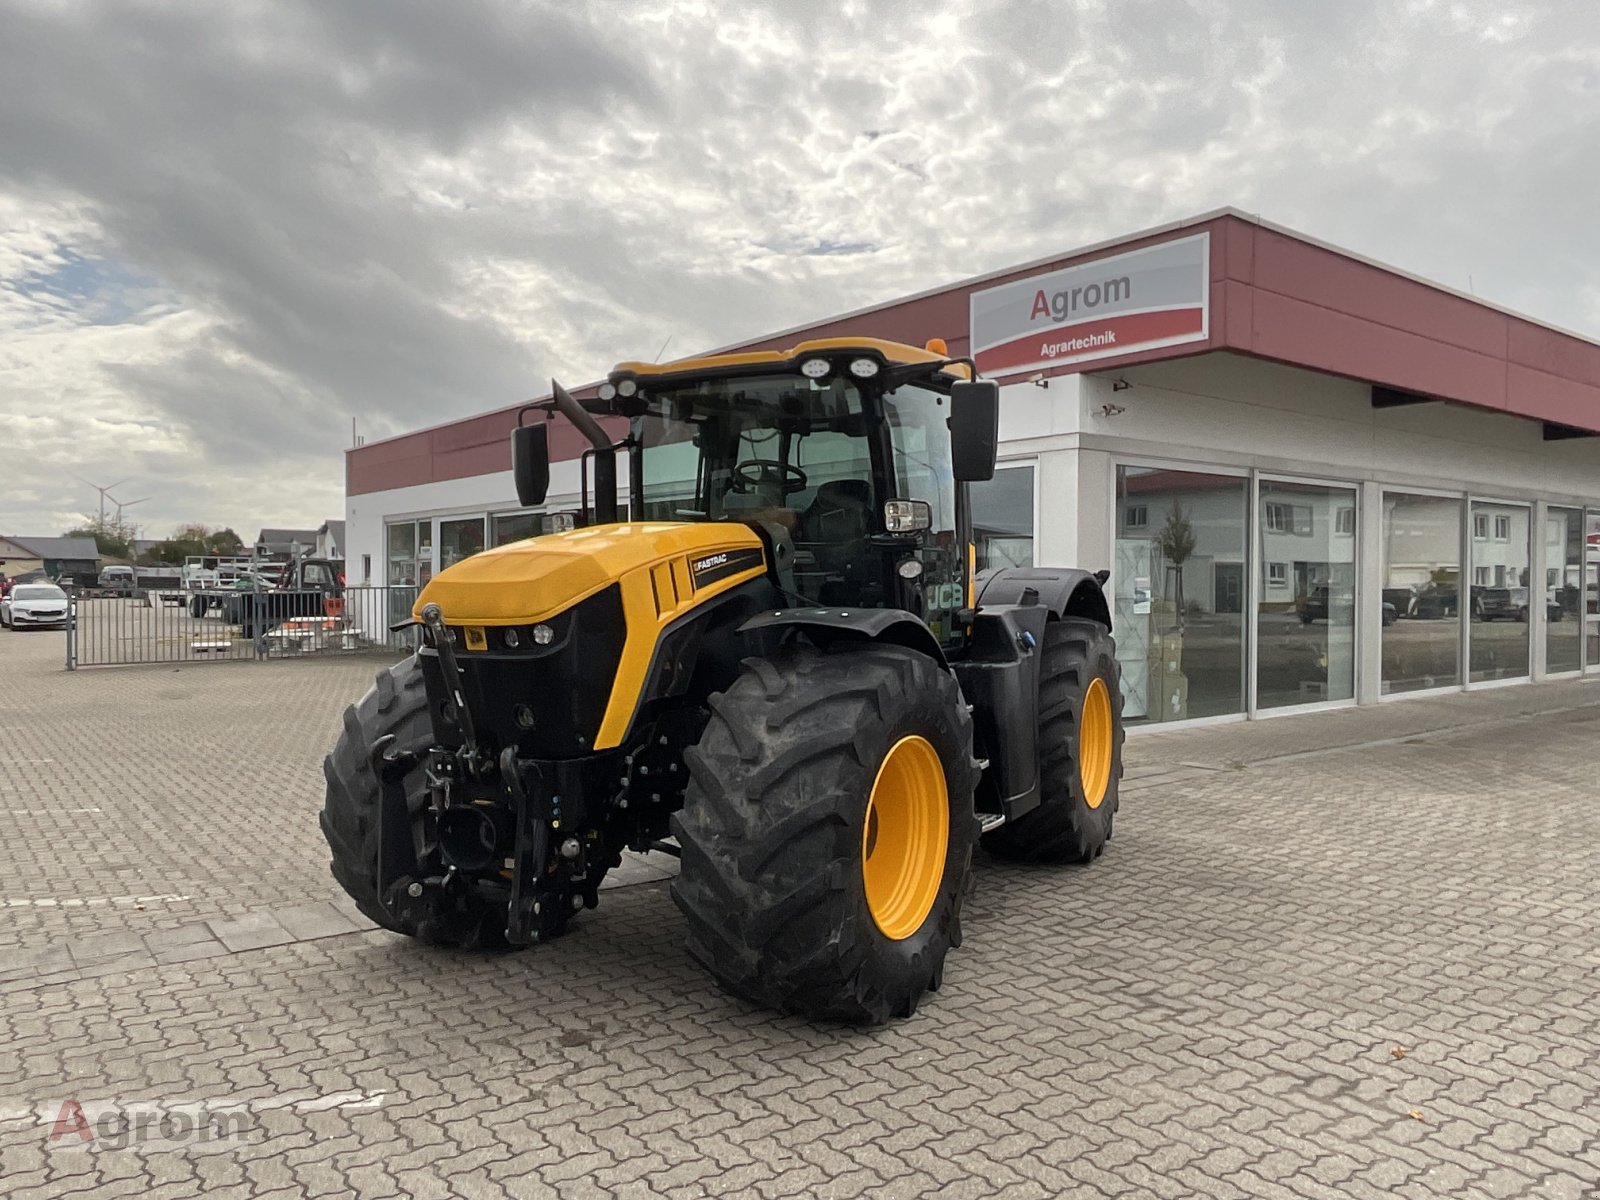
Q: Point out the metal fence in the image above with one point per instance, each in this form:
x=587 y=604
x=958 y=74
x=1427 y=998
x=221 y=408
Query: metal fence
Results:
x=181 y=626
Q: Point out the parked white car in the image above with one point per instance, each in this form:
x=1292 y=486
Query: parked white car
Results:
x=34 y=606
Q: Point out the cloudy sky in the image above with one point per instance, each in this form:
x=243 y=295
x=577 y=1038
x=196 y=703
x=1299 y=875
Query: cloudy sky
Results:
x=228 y=229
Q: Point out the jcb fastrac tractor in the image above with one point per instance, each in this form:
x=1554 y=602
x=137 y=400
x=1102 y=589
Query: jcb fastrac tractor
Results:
x=782 y=661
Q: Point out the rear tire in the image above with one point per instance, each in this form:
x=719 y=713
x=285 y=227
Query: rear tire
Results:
x=821 y=778
x=397 y=704
x=1071 y=825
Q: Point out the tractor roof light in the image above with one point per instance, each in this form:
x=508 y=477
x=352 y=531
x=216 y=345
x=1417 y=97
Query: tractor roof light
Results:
x=815 y=368
x=607 y=392
x=863 y=368
x=626 y=387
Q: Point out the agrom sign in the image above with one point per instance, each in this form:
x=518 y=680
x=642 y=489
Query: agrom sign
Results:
x=1155 y=296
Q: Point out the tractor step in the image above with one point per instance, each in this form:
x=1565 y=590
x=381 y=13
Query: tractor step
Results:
x=989 y=822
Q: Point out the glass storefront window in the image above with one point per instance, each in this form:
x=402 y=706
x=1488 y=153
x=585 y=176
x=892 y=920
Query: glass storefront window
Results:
x=514 y=527
x=458 y=539
x=1002 y=518
x=1500 y=591
x=1178 y=590
x=1591 y=589
x=402 y=554
x=1306 y=615
x=1421 y=592
x=1563 y=590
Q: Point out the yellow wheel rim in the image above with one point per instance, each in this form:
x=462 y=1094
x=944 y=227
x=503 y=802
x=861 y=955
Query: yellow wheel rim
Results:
x=1096 y=741
x=905 y=837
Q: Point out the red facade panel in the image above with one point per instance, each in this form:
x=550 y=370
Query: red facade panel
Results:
x=1307 y=335
x=1317 y=275
x=1558 y=353
x=1548 y=397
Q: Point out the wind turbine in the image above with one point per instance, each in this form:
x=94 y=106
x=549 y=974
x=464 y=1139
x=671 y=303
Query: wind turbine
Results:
x=103 y=492
x=122 y=504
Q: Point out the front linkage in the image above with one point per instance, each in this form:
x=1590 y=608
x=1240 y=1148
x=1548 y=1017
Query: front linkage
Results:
x=493 y=833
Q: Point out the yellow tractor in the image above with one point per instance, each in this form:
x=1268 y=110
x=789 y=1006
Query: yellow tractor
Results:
x=770 y=654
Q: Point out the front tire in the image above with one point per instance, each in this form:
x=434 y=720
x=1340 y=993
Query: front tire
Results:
x=827 y=831
x=397 y=704
x=1080 y=750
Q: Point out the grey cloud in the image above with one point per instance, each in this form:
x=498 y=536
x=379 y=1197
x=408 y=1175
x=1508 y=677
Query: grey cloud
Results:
x=407 y=212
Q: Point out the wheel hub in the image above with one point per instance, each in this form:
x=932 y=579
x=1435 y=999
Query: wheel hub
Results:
x=905 y=837
x=1096 y=743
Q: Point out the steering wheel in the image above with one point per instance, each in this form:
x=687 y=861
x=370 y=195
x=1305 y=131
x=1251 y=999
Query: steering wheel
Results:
x=754 y=473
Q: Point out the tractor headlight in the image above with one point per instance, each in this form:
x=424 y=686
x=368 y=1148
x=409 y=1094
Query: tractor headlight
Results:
x=907 y=516
x=863 y=368
x=815 y=368
x=543 y=634
x=512 y=640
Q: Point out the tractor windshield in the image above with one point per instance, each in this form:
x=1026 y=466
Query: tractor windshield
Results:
x=813 y=460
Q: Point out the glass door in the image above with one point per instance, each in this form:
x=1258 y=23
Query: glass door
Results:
x=1421 y=589
x=1306 y=593
x=1501 y=595
x=1563 y=590
x=1178 y=584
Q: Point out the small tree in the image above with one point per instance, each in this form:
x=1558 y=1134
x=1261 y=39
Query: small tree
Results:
x=1177 y=542
x=195 y=540
x=224 y=541
x=113 y=537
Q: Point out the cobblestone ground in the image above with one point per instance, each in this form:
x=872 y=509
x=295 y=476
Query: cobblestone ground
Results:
x=1349 y=954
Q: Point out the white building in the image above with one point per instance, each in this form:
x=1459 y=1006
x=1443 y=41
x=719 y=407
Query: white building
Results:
x=1349 y=448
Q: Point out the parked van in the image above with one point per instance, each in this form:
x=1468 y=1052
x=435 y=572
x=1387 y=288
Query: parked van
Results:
x=117 y=580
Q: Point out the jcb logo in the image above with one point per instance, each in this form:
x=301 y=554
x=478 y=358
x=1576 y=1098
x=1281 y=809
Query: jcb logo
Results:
x=944 y=595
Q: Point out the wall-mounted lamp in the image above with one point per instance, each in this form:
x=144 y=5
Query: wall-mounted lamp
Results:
x=1112 y=410
x=1120 y=385
x=1038 y=380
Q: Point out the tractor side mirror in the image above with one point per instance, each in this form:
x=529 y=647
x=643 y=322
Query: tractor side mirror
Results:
x=530 y=462
x=974 y=429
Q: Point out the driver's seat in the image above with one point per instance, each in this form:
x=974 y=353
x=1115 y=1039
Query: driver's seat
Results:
x=837 y=522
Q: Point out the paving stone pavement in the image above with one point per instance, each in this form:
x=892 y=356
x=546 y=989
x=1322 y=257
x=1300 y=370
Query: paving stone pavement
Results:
x=1346 y=954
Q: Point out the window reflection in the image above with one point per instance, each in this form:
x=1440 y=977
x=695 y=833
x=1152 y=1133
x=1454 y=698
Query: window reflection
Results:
x=1178 y=589
x=514 y=527
x=1002 y=518
x=1421 y=592
x=1500 y=593
x=1563 y=589
x=1305 y=635
x=459 y=539
x=1591 y=588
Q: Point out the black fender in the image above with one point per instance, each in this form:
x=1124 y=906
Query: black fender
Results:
x=1065 y=591
x=894 y=626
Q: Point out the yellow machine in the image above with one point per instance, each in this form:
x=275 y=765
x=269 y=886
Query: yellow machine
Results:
x=771 y=656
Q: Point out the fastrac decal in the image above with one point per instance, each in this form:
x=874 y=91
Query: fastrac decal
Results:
x=1157 y=295
x=710 y=568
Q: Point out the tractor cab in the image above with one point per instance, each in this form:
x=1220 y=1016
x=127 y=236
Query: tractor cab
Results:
x=850 y=459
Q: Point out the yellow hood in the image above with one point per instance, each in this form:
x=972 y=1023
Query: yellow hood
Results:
x=535 y=579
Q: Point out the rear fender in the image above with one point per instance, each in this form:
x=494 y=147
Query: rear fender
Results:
x=1065 y=591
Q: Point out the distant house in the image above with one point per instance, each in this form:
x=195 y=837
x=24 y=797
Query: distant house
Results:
x=289 y=543
x=77 y=559
x=330 y=540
